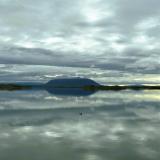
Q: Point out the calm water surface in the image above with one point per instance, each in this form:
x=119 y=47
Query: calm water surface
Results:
x=36 y=125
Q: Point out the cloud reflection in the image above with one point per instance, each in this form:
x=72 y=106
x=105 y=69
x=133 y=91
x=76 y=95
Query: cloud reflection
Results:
x=94 y=134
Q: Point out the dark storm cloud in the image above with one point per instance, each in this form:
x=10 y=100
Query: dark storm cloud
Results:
x=38 y=56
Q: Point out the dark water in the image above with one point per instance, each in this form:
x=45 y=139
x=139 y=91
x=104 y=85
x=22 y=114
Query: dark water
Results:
x=122 y=125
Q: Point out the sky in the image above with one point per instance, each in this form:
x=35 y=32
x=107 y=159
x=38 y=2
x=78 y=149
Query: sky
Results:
x=109 y=41
x=116 y=35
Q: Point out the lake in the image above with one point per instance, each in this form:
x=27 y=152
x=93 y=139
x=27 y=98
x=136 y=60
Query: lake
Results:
x=107 y=125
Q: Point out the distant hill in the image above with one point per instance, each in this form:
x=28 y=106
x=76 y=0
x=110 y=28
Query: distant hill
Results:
x=71 y=82
x=70 y=86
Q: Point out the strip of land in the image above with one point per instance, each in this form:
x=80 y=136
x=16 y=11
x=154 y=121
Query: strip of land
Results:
x=118 y=88
x=13 y=87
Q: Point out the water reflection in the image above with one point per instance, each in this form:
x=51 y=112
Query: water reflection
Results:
x=106 y=125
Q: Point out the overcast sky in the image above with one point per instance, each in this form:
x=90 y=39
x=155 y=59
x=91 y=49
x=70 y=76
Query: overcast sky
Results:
x=118 y=35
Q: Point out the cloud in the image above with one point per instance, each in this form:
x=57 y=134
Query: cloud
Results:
x=131 y=60
x=116 y=35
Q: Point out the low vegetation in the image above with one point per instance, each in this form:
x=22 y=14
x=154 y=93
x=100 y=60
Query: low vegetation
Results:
x=12 y=87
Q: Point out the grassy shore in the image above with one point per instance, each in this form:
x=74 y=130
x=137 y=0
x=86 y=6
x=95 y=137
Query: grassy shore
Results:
x=118 y=88
x=12 y=87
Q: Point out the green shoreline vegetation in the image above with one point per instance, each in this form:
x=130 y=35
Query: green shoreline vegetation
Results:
x=13 y=87
x=118 y=88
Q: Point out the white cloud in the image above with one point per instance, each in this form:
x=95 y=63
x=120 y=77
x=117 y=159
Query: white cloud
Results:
x=89 y=30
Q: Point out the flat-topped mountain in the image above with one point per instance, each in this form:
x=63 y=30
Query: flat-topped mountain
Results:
x=70 y=86
x=71 y=82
